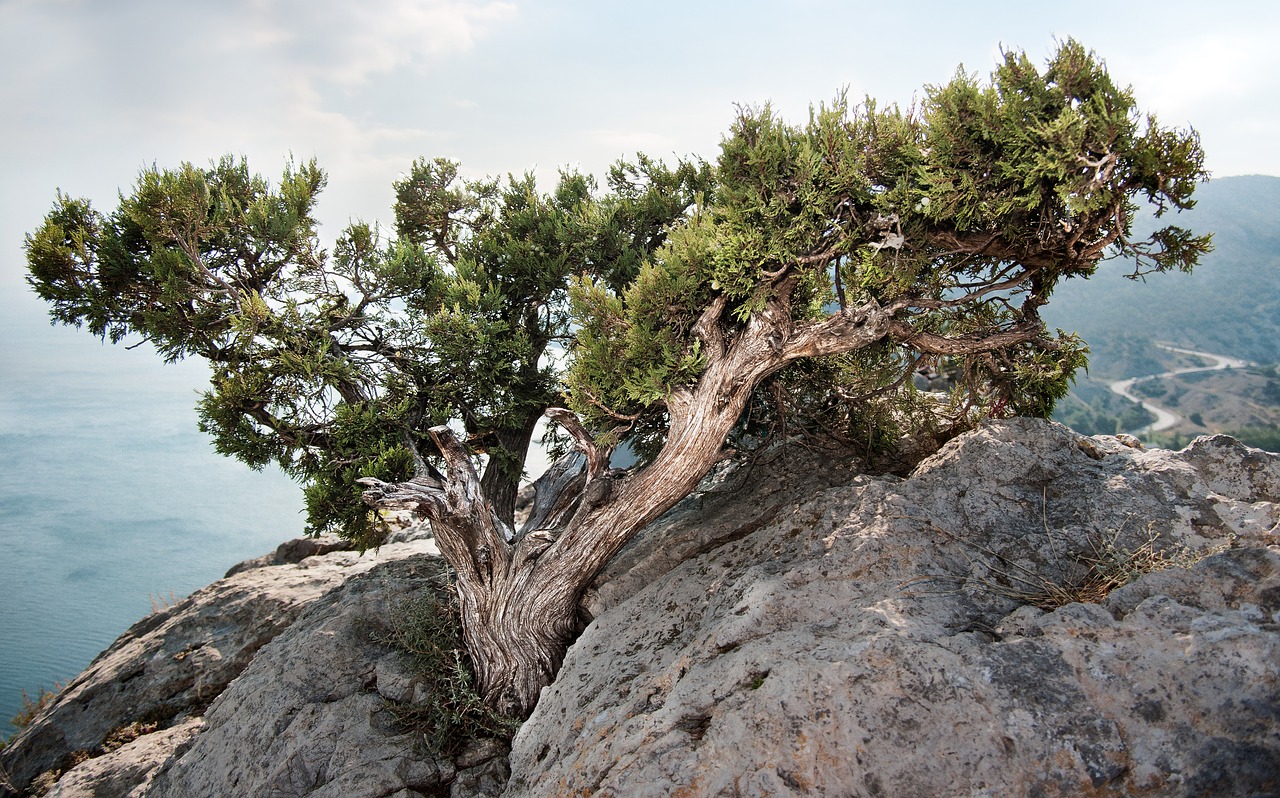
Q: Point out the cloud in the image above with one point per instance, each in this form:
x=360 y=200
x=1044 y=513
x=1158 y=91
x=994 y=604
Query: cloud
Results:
x=111 y=87
x=348 y=43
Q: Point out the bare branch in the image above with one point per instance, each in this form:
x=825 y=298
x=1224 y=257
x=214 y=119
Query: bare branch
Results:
x=467 y=530
x=1028 y=330
x=597 y=456
x=969 y=298
x=609 y=411
x=556 y=494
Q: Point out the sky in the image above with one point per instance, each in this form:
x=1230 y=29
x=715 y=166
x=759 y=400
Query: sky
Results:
x=95 y=91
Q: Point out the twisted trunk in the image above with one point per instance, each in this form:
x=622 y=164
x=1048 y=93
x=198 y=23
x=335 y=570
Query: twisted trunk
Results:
x=519 y=593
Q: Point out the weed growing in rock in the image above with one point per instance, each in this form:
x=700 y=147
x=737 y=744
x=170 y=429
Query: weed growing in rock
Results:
x=427 y=628
x=1107 y=566
x=162 y=603
x=31 y=708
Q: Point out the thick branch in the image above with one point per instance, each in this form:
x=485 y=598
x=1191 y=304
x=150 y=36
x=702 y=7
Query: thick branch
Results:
x=707 y=329
x=470 y=535
x=597 y=456
x=845 y=331
x=556 y=495
x=702 y=415
x=1029 y=329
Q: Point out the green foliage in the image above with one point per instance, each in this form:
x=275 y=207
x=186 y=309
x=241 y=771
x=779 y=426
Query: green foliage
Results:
x=632 y=347
x=427 y=629
x=958 y=218
x=335 y=366
x=965 y=212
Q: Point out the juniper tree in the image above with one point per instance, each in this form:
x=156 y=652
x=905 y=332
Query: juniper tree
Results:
x=334 y=365
x=832 y=259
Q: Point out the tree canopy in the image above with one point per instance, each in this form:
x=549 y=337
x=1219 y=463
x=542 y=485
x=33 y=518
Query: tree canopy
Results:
x=334 y=365
x=809 y=275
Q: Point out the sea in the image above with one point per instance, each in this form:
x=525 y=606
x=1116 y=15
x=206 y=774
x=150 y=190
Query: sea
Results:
x=112 y=502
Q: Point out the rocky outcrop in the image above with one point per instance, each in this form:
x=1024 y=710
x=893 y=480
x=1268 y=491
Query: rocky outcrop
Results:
x=882 y=639
x=127 y=770
x=311 y=715
x=1028 y=613
x=171 y=665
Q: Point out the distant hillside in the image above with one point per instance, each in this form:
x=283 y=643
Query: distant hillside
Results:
x=1229 y=305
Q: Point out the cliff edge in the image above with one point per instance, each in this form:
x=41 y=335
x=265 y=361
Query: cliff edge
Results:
x=1030 y=612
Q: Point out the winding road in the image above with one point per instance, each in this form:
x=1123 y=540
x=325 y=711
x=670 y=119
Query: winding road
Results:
x=1164 y=418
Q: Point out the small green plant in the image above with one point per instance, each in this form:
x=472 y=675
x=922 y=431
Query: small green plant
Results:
x=32 y=707
x=428 y=630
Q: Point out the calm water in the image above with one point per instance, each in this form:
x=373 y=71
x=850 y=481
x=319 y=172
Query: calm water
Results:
x=109 y=497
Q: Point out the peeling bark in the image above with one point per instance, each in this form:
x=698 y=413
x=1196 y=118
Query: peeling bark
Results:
x=519 y=593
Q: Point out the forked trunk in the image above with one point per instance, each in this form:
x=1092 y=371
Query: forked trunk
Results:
x=517 y=633
x=519 y=593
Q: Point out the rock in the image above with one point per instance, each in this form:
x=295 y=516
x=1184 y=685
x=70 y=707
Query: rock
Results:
x=735 y=499
x=173 y=663
x=293 y=551
x=1030 y=612
x=486 y=780
x=311 y=716
x=126 y=772
x=308 y=716
x=879 y=638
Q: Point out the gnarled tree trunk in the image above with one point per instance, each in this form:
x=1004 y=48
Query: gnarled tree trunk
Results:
x=519 y=593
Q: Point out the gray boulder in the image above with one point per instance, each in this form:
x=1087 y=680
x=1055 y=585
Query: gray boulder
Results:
x=882 y=639
x=172 y=664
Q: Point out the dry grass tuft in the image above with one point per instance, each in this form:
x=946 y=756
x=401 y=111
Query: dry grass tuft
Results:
x=427 y=629
x=1105 y=566
x=31 y=708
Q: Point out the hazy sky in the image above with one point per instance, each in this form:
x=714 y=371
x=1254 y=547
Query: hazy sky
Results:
x=93 y=91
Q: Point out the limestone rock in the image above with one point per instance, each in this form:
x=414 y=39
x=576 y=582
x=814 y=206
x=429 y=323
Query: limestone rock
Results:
x=309 y=717
x=173 y=663
x=881 y=638
x=293 y=551
x=127 y=771
x=1029 y=613
x=735 y=499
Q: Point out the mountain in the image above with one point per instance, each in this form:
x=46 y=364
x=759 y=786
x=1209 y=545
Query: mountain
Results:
x=1229 y=305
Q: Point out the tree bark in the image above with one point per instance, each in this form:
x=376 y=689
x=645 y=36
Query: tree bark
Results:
x=500 y=486
x=519 y=594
